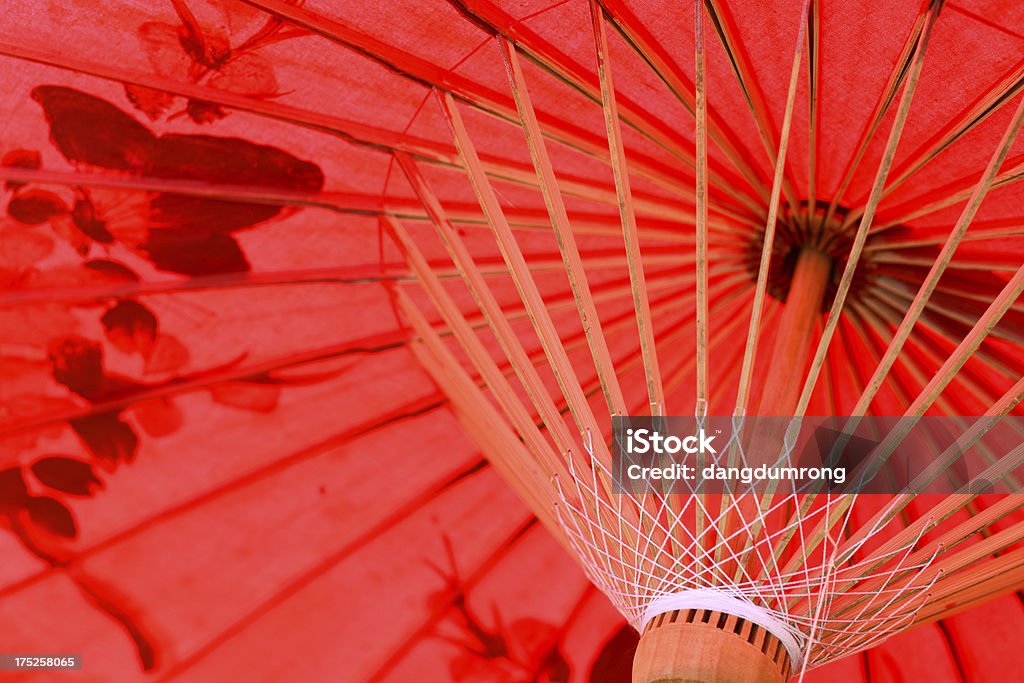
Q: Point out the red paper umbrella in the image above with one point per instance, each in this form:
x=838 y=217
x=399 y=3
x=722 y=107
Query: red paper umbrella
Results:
x=299 y=296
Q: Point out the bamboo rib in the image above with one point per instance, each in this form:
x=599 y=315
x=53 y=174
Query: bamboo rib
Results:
x=503 y=393
x=563 y=231
x=726 y=29
x=999 y=576
x=969 y=345
x=995 y=98
x=524 y=368
x=499 y=324
x=897 y=77
x=564 y=372
x=524 y=470
x=923 y=295
x=923 y=206
x=486 y=100
x=701 y=314
x=938 y=382
x=517 y=312
x=948 y=540
x=492 y=380
x=921 y=371
x=549 y=57
x=647 y=48
x=634 y=259
x=493 y=313
x=662 y=229
x=887 y=304
x=754 y=330
x=353 y=132
x=903 y=110
x=590 y=387
x=813 y=92
x=518 y=268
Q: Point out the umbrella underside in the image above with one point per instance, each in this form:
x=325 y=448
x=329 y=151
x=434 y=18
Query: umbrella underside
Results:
x=291 y=291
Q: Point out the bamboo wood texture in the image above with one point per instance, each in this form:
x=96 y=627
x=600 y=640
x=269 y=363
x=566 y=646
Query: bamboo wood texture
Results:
x=802 y=313
x=707 y=646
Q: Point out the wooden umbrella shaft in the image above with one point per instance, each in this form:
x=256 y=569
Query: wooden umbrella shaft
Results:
x=706 y=646
x=784 y=380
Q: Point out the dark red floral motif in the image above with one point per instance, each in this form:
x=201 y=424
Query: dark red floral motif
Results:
x=175 y=232
x=42 y=519
x=34 y=207
x=112 y=414
x=130 y=327
x=524 y=651
x=214 y=43
x=13 y=491
x=21 y=158
x=68 y=475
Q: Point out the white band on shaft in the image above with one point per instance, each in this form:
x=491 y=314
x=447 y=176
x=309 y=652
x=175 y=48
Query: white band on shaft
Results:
x=723 y=602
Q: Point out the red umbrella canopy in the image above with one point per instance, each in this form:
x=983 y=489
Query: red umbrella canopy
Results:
x=226 y=450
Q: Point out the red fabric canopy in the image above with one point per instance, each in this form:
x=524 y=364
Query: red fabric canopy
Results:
x=220 y=456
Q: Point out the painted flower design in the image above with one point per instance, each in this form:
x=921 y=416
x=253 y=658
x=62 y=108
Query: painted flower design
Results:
x=214 y=43
x=56 y=375
x=176 y=233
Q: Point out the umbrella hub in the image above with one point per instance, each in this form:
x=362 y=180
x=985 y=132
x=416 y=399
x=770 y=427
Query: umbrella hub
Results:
x=810 y=251
x=811 y=227
x=703 y=636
